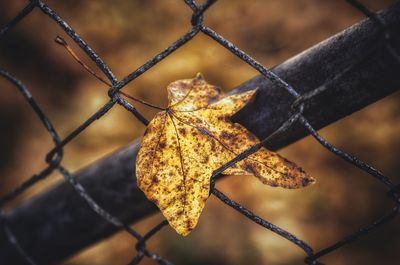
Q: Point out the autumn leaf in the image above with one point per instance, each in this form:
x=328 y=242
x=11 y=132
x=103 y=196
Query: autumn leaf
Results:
x=194 y=136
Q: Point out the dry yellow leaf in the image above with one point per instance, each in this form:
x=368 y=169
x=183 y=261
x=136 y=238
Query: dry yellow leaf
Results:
x=194 y=136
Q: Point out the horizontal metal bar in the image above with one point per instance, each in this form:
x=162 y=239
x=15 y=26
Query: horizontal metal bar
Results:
x=350 y=70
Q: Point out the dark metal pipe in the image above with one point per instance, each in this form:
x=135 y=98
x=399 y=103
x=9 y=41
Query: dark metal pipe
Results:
x=355 y=68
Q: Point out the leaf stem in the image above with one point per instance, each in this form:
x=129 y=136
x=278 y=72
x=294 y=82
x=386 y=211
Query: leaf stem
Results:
x=62 y=42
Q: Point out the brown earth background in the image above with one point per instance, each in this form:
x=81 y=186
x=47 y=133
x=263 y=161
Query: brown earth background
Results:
x=128 y=33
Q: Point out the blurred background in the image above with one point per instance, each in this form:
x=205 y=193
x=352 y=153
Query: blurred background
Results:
x=128 y=33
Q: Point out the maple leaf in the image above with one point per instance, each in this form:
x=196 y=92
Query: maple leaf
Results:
x=194 y=136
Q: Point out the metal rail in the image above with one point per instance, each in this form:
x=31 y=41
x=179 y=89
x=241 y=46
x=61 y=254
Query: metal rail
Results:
x=345 y=73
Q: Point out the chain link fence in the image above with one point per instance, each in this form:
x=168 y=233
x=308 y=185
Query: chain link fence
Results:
x=54 y=157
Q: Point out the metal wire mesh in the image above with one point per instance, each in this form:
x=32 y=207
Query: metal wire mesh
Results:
x=54 y=157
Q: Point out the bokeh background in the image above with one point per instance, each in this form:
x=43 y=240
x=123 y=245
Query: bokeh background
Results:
x=128 y=33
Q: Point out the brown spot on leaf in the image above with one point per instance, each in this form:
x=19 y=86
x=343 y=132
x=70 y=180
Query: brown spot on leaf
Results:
x=213 y=146
x=182 y=131
x=305 y=182
x=249 y=168
x=154 y=179
x=189 y=225
x=154 y=200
